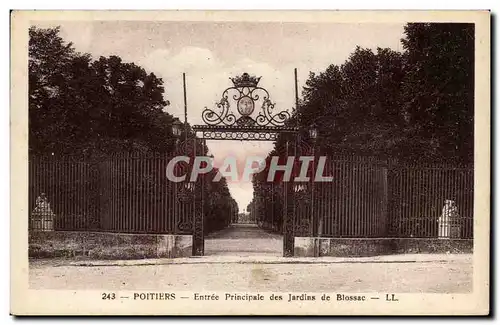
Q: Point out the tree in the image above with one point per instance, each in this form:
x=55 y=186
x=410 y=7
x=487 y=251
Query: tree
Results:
x=51 y=64
x=82 y=106
x=416 y=106
x=439 y=90
x=220 y=207
x=357 y=106
x=133 y=103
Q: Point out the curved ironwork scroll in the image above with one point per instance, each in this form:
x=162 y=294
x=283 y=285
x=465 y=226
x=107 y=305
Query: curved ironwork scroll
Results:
x=224 y=117
x=266 y=116
x=185 y=226
x=245 y=93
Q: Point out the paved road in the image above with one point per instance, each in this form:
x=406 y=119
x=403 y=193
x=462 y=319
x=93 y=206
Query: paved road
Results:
x=243 y=240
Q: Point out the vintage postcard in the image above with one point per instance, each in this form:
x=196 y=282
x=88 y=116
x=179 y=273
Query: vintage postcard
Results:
x=250 y=162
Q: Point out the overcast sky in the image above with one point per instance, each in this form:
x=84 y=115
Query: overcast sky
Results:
x=209 y=53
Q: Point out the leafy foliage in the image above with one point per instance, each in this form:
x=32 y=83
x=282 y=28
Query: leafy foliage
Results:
x=356 y=106
x=415 y=107
x=81 y=106
x=84 y=107
x=439 y=90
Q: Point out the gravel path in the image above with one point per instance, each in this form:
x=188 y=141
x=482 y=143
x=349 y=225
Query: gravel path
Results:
x=243 y=240
x=246 y=258
x=431 y=277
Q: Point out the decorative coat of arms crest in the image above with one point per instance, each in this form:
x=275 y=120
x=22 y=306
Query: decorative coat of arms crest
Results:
x=246 y=96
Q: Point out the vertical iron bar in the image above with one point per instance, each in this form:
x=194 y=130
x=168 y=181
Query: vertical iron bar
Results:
x=314 y=230
x=114 y=223
x=297 y=98
x=185 y=106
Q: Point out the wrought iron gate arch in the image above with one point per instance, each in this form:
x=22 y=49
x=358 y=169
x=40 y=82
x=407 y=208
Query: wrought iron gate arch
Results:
x=250 y=123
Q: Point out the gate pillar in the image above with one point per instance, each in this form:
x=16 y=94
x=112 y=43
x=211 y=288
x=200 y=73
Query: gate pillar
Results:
x=289 y=221
x=198 y=231
x=198 y=215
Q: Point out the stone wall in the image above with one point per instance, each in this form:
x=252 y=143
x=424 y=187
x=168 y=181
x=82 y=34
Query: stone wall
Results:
x=97 y=245
x=358 y=247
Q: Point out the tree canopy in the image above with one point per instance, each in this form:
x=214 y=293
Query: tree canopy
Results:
x=78 y=105
x=84 y=107
x=417 y=105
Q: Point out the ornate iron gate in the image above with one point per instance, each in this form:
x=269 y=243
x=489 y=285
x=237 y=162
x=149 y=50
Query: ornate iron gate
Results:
x=249 y=124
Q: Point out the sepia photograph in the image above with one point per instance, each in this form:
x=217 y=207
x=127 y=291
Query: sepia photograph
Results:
x=212 y=160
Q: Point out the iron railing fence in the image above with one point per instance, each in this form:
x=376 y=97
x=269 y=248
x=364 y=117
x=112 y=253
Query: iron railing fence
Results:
x=371 y=198
x=367 y=198
x=354 y=204
x=124 y=193
x=64 y=195
x=431 y=201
